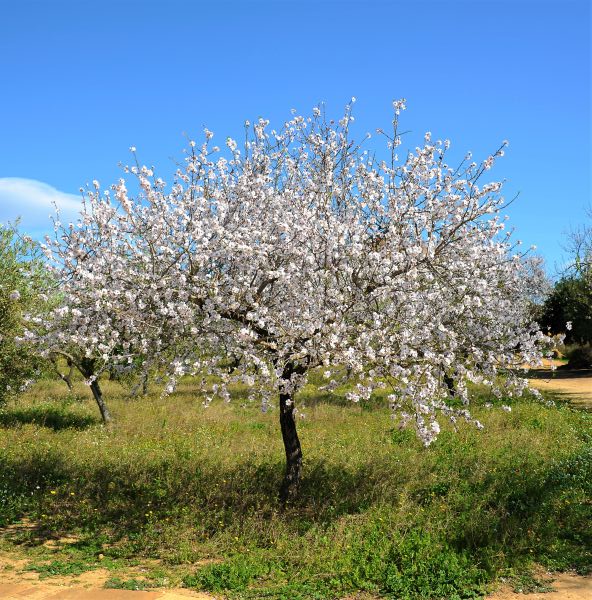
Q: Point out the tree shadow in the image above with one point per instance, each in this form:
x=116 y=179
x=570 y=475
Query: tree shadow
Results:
x=27 y=532
x=52 y=417
x=488 y=512
x=545 y=515
x=559 y=373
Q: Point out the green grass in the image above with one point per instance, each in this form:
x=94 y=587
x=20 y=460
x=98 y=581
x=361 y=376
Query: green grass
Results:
x=527 y=583
x=195 y=489
x=60 y=568
x=117 y=583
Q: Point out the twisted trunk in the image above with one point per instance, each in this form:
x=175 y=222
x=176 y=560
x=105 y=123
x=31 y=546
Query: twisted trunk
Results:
x=66 y=378
x=291 y=482
x=87 y=368
x=98 y=396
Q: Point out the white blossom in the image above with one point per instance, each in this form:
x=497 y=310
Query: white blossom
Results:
x=302 y=252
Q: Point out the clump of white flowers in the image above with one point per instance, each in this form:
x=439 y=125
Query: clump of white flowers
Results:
x=299 y=250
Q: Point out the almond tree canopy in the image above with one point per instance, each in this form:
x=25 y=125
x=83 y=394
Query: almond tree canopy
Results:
x=301 y=250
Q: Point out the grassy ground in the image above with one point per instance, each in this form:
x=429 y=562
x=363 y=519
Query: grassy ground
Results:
x=192 y=491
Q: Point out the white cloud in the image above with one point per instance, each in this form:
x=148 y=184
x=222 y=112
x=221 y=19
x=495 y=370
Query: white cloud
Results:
x=33 y=201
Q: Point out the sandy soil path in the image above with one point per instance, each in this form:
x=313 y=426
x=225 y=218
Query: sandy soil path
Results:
x=574 y=386
x=566 y=587
x=20 y=591
x=17 y=584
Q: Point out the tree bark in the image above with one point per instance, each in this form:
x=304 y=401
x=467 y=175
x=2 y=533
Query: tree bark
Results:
x=449 y=382
x=98 y=395
x=87 y=368
x=67 y=378
x=291 y=482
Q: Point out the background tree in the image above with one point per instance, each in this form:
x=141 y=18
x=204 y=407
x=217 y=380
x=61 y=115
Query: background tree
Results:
x=568 y=307
x=568 y=310
x=23 y=286
x=103 y=322
x=579 y=247
x=303 y=251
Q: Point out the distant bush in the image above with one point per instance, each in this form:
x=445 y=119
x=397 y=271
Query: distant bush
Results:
x=580 y=357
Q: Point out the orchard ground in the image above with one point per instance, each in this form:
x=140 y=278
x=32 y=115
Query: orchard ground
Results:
x=176 y=495
x=89 y=586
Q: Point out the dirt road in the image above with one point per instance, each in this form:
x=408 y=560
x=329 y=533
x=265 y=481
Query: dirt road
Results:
x=20 y=591
x=18 y=584
x=572 y=385
x=566 y=586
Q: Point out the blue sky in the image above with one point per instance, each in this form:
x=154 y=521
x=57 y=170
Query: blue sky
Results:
x=83 y=81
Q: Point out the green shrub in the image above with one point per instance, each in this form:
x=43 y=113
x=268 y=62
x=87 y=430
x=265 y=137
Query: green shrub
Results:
x=23 y=280
x=569 y=301
x=420 y=567
x=234 y=574
x=580 y=357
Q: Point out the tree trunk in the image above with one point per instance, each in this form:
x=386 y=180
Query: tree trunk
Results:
x=98 y=395
x=87 y=368
x=449 y=382
x=290 y=484
x=67 y=378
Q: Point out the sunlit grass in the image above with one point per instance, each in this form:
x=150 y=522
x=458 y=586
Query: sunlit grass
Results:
x=179 y=482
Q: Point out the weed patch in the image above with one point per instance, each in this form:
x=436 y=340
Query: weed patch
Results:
x=57 y=568
x=116 y=583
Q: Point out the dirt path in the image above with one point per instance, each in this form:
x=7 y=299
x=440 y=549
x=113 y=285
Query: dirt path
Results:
x=566 y=586
x=574 y=386
x=20 y=591
x=17 y=584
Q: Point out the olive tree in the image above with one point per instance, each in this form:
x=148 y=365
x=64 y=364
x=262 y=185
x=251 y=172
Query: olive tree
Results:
x=23 y=283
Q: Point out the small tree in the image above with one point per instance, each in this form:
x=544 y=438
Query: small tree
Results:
x=299 y=251
x=568 y=310
x=23 y=283
x=568 y=306
x=104 y=320
x=579 y=247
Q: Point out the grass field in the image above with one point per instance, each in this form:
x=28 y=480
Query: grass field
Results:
x=192 y=491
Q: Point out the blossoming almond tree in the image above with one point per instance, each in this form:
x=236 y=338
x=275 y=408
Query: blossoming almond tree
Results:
x=111 y=314
x=301 y=250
